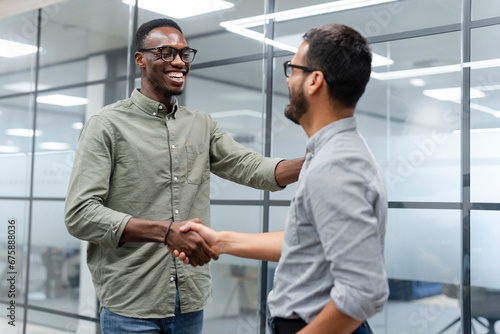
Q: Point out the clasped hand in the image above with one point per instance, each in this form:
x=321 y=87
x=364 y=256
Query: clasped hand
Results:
x=192 y=242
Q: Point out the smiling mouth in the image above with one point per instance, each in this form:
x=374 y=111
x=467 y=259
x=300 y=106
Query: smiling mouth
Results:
x=176 y=76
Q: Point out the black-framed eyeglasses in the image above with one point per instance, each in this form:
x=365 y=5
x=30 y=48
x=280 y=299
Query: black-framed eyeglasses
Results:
x=288 y=67
x=169 y=53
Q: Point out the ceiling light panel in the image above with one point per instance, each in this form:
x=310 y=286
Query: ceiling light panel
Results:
x=182 y=9
x=22 y=132
x=54 y=146
x=62 y=100
x=241 y=26
x=9 y=149
x=11 y=49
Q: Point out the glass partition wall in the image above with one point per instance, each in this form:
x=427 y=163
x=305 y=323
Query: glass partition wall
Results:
x=430 y=114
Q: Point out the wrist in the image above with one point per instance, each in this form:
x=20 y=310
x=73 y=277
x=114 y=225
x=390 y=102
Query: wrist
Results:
x=222 y=241
x=167 y=232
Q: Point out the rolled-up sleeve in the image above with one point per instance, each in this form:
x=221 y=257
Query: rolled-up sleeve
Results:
x=348 y=228
x=86 y=217
x=235 y=162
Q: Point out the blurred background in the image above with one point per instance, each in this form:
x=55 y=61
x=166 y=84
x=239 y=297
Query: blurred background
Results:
x=431 y=115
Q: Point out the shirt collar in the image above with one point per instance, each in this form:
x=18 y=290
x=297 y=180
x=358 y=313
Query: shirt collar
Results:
x=315 y=143
x=151 y=107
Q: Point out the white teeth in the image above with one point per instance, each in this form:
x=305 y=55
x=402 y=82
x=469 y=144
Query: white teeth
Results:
x=175 y=74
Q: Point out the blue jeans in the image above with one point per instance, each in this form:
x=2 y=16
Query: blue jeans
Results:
x=188 y=323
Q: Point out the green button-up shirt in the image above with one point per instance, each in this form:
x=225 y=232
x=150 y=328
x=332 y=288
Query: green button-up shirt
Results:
x=134 y=160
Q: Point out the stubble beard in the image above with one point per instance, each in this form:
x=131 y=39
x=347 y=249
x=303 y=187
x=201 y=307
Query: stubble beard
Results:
x=298 y=106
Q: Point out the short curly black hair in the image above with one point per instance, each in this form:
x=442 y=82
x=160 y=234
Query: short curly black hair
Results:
x=145 y=29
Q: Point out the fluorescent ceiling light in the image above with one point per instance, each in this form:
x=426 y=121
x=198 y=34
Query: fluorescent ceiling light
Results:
x=8 y=149
x=182 y=9
x=24 y=86
x=483 y=63
x=22 y=132
x=62 y=100
x=260 y=38
x=451 y=94
x=454 y=95
x=379 y=60
x=417 y=82
x=297 y=13
x=418 y=72
x=241 y=26
x=488 y=88
x=77 y=125
x=486 y=130
x=54 y=146
x=236 y=113
x=11 y=49
x=487 y=110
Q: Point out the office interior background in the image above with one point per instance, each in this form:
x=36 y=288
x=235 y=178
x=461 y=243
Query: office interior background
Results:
x=431 y=115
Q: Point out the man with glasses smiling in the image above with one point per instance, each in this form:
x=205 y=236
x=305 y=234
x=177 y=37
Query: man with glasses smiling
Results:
x=330 y=277
x=142 y=167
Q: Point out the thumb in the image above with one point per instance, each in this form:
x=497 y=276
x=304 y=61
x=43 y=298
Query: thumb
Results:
x=191 y=226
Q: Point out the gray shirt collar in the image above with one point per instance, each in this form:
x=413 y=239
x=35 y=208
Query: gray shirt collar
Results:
x=317 y=141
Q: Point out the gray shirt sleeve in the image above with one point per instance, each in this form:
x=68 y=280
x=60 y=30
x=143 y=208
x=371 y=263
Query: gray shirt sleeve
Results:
x=343 y=209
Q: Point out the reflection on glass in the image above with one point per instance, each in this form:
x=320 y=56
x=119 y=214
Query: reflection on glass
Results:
x=60 y=119
x=14 y=216
x=235 y=102
x=55 y=261
x=485 y=130
x=44 y=322
x=81 y=43
x=234 y=280
x=410 y=111
x=16 y=137
x=384 y=18
x=423 y=269
x=483 y=9
x=485 y=287
x=18 y=51
x=484 y=43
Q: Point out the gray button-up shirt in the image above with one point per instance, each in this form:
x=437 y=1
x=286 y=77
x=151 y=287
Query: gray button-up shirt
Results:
x=134 y=160
x=334 y=235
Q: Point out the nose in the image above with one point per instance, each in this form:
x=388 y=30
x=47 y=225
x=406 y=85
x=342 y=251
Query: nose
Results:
x=177 y=61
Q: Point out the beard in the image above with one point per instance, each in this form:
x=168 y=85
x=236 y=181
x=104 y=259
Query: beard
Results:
x=298 y=106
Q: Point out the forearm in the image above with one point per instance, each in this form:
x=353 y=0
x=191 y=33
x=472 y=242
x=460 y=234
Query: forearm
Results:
x=142 y=230
x=287 y=171
x=331 y=320
x=258 y=246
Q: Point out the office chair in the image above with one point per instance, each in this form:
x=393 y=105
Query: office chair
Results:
x=485 y=304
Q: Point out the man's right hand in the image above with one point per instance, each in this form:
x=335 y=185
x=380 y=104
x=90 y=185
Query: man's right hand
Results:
x=189 y=242
x=209 y=235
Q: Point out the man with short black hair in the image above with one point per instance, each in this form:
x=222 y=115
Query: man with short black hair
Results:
x=141 y=168
x=330 y=277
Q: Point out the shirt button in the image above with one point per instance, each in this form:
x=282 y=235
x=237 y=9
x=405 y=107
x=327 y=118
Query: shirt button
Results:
x=173 y=146
x=154 y=114
x=172 y=279
x=160 y=107
x=175 y=178
x=176 y=211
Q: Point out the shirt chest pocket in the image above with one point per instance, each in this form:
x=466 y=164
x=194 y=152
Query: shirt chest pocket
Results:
x=198 y=163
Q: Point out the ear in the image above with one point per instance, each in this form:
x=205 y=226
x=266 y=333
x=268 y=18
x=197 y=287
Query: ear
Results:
x=315 y=81
x=139 y=59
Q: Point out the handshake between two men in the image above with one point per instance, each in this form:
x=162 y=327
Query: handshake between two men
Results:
x=200 y=244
